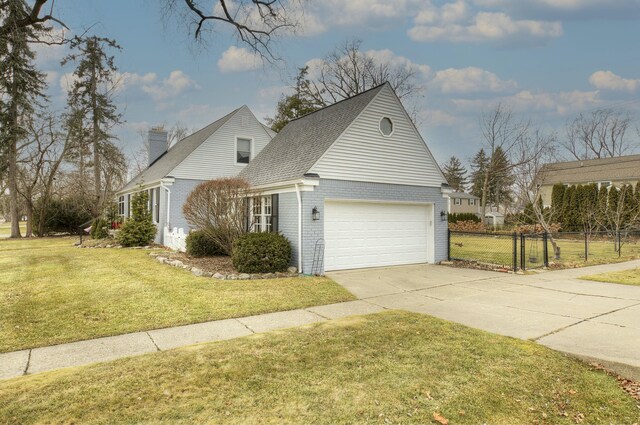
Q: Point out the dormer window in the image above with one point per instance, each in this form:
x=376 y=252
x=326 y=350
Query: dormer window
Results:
x=243 y=150
x=386 y=126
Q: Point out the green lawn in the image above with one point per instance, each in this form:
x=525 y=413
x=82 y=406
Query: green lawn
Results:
x=392 y=367
x=5 y=229
x=499 y=250
x=625 y=277
x=52 y=292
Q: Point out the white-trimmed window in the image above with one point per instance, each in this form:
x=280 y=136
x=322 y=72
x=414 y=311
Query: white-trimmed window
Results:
x=121 y=206
x=472 y=202
x=386 y=126
x=156 y=207
x=457 y=201
x=261 y=214
x=243 y=150
x=128 y=205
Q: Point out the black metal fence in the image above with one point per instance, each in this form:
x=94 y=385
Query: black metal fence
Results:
x=522 y=251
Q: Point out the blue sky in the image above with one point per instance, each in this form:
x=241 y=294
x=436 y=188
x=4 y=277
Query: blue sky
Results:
x=547 y=59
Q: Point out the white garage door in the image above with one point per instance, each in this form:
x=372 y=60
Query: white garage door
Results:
x=363 y=234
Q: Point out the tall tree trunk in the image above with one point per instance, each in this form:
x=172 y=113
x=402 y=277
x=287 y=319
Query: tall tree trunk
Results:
x=12 y=157
x=29 y=208
x=485 y=195
x=97 y=209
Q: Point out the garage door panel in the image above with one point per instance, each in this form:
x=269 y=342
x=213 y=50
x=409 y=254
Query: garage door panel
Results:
x=361 y=234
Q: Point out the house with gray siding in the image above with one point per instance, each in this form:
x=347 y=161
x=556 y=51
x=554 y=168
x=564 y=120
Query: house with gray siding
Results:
x=221 y=149
x=352 y=185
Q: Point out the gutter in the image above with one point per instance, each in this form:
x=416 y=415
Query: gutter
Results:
x=299 y=228
x=167 y=224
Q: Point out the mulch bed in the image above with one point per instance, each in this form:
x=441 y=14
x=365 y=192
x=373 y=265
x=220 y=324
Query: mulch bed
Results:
x=219 y=264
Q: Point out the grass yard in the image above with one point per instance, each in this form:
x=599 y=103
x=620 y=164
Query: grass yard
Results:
x=5 y=229
x=52 y=292
x=391 y=367
x=625 y=277
x=498 y=249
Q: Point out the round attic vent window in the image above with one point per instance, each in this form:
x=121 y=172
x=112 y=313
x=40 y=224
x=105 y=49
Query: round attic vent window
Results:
x=386 y=126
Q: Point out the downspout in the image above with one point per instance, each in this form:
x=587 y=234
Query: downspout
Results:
x=299 y=229
x=168 y=204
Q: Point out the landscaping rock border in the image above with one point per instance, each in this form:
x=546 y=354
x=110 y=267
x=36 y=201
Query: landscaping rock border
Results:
x=291 y=272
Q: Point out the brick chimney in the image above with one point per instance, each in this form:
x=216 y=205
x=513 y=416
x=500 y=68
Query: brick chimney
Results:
x=157 y=139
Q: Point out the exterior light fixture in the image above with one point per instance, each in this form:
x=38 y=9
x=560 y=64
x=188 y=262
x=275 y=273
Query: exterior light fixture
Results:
x=315 y=214
x=443 y=215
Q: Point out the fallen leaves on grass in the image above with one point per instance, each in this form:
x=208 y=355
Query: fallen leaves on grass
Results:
x=440 y=419
x=631 y=387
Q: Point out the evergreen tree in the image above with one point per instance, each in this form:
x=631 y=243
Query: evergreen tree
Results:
x=557 y=194
x=139 y=229
x=295 y=105
x=479 y=165
x=22 y=89
x=500 y=178
x=91 y=94
x=601 y=210
x=455 y=174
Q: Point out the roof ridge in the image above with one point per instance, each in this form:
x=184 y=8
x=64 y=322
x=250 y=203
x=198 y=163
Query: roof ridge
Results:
x=631 y=157
x=204 y=128
x=341 y=100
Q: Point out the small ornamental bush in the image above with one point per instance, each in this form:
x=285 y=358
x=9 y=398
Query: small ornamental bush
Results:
x=456 y=217
x=100 y=229
x=261 y=253
x=199 y=244
x=138 y=230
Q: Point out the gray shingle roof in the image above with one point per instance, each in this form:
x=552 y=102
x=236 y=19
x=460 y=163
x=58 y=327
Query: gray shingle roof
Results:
x=592 y=170
x=161 y=167
x=299 y=145
x=462 y=195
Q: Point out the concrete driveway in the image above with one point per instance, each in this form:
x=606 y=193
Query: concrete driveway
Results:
x=592 y=320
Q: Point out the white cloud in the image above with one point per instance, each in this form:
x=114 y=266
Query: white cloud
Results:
x=387 y=56
x=607 y=80
x=238 y=59
x=47 y=54
x=526 y=101
x=437 y=118
x=177 y=83
x=485 y=26
x=375 y=15
x=566 y=9
x=470 y=80
x=51 y=78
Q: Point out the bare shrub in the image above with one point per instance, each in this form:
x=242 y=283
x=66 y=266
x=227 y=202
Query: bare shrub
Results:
x=219 y=208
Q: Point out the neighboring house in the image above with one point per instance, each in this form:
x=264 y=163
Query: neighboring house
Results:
x=605 y=171
x=221 y=149
x=463 y=203
x=352 y=185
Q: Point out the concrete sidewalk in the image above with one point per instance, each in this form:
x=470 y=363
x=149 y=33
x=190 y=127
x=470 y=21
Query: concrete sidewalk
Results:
x=592 y=320
x=80 y=353
x=596 y=321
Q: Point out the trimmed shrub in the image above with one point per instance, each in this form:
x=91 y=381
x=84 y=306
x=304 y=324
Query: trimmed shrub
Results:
x=138 y=230
x=456 y=217
x=199 y=244
x=261 y=253
x=100 y=229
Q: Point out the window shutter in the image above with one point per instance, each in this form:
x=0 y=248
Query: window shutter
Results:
x=274 y=213
x=247 y=210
